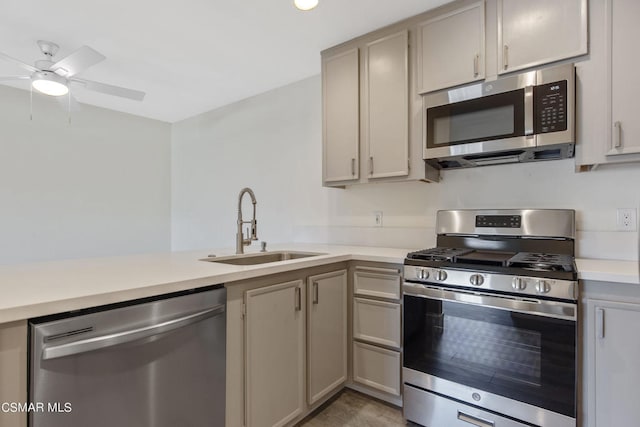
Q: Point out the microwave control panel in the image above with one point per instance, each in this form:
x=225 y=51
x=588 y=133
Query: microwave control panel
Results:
x=550 y=106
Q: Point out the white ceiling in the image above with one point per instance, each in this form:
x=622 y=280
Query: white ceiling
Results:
x=191 y=56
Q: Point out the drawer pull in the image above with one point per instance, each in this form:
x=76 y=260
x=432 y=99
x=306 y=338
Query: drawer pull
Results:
x=478 y=422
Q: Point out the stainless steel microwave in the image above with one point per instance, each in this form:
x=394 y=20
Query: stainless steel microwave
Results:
x=518 y=118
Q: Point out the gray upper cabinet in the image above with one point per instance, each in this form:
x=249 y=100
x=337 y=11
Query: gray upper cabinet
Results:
x=532 y=33
x=608 y=87
x=451 y=48
x=386 y=105
x=341 y=116
x=623 y=35
x=372 y=122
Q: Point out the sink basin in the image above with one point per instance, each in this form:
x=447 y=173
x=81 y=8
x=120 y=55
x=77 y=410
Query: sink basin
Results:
x=262 y=257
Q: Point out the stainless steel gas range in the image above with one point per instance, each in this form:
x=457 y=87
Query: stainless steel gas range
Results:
x=490 y=321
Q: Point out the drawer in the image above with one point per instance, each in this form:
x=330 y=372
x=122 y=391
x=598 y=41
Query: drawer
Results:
x=377 y=368
x=377 y=322
x=377 y=282
x=431 y=410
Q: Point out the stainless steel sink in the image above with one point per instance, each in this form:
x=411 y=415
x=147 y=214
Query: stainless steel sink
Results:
x=262 y=257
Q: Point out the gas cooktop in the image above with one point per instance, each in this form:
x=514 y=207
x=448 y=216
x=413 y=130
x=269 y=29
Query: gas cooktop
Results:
x=516 y=251
x=561 y=266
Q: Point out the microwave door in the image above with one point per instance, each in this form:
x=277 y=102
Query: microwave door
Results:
x=487 y=124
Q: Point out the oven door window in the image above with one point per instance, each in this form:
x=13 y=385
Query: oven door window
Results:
x=525 y=357
x=482 y=119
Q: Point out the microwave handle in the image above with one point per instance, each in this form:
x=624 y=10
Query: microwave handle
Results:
x=528 y=110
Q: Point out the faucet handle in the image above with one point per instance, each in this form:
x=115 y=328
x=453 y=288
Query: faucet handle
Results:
x=254 y=230
x=263 y=246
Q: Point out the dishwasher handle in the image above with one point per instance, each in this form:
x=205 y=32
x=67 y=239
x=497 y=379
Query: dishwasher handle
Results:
x=103 y=341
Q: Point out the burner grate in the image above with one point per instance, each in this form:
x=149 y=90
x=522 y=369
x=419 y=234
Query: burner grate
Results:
x=542 y=262
x=439 y=254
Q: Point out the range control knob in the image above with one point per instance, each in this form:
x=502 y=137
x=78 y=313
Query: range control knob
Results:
x=518 y=284
x=422 y=274
x=476 y=280
x=441 y=275
x=542 y=286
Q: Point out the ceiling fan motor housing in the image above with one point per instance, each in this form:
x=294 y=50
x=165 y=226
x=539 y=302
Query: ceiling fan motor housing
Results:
x=48 y=48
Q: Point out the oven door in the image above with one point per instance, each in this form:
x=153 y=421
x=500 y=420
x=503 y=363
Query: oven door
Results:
x=510 y=355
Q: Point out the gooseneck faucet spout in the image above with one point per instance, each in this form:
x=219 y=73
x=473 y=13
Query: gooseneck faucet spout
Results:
x=252 y=232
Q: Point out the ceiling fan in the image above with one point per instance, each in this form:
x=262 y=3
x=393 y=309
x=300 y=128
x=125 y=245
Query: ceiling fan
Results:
x=54 y=78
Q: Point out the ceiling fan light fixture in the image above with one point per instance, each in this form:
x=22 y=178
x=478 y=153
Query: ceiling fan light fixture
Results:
x=49 y=83
x=305 y=4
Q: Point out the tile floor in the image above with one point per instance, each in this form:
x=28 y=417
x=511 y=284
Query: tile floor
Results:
x=353 y=409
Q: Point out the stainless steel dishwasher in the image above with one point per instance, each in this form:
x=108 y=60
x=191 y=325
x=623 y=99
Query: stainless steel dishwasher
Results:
x=155 y=363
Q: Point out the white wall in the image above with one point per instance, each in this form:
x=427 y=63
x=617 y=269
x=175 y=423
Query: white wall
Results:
x=99 y=186
x=272 y=143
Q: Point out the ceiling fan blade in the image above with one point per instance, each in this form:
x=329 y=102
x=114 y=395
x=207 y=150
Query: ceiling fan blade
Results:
x=77 y=61
x=19 y=63
x=10 y=78
x=122 y=92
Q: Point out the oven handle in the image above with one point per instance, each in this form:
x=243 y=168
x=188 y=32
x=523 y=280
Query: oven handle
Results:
x=478 y=422
x=553 y=309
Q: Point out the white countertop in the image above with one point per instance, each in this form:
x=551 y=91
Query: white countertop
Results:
x=605 y=270
x=38 y=289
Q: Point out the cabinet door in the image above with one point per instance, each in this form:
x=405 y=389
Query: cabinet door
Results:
x=377 y=322
x=615 y=368
x=377 y=368
x=13 y=370
x=327 y=333
x=537 y=32
x=274 y=370
x=625 y=86
x=377 y=282
x=341 y=116
x=386 y=105
x=447 y=54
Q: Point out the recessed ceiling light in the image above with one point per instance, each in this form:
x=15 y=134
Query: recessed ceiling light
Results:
x=49 y=83
x=305 y=4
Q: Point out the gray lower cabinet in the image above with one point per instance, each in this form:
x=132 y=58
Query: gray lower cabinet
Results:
x=613 y=352
x=274 y=342
x=13 y=370
x=326 y=333
x=377 y=326
x=294 y=329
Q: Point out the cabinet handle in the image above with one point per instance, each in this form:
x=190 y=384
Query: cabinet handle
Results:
x=478 y=422
x=371 y=165
x=476 y=64
x=353 y=166
x=298 y=299
x=617 y=130
x=600 y=323
x=316 y=293
x=505 y=56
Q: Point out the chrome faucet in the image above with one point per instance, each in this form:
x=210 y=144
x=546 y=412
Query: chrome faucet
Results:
x=241 y=241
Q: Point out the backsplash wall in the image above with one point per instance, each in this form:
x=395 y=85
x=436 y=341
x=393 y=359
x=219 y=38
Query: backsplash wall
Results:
x=272 y=143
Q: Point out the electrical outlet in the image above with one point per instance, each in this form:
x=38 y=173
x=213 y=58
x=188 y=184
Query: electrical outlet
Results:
x=377 y=218
x=627 y=219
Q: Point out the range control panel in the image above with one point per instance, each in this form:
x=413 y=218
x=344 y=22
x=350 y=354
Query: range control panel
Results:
x=502 y=221
x=550 y=106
